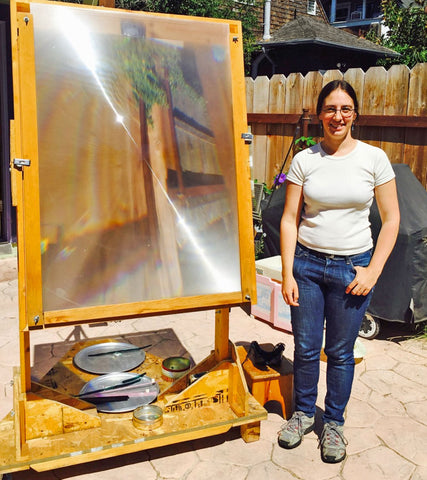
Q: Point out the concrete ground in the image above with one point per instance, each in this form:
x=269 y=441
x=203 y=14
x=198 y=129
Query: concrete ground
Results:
x=386 y=424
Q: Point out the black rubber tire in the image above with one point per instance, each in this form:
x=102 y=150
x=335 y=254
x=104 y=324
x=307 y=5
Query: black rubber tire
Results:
x=370 y=327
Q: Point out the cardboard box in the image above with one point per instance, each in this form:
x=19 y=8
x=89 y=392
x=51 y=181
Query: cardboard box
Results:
x=270 y=267
x=270 y=306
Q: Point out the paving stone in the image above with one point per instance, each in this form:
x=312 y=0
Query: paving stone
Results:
x=269 y=471
x=9 y=353
x=377 y=392
x=175 y=466
x=416 y=373
x=211 y=470
x=417 y=411
x=360 y=414
x=379 y=463
x=360 y=391
x=9 y=297
x=380 y=362
x=387 y=382
x=304 y=460
x=116 y=468
x=360 y=439
x=406 y=437
x=271 y=426
x=237 y=452
x=417 y=346
x=386 y=405
x=406 y=394
x=420 y=473
x=404 y=356
x=9 y=269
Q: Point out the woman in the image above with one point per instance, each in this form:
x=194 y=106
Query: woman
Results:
x=328 y=268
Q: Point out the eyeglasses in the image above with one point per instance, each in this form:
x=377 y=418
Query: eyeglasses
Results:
x=332 y=111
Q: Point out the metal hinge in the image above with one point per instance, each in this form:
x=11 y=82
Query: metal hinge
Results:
x=21 y=162
x=247 y=137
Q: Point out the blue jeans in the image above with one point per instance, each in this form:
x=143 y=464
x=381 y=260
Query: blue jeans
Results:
x=322 y=281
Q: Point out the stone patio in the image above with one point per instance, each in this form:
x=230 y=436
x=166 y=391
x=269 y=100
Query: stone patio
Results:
x=386 y=422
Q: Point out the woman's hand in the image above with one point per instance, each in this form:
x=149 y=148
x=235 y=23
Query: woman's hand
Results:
x=290 y=292
x=363 y=282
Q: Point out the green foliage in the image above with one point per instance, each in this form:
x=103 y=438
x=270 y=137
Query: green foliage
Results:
x=145 y=65
x=302 y=143
x=243 y=10
x=407 y=32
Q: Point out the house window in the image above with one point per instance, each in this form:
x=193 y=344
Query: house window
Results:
x=311 y=7
x=342 y=13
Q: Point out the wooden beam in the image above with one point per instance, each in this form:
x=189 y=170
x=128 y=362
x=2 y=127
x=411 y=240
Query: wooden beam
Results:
x=402 y=121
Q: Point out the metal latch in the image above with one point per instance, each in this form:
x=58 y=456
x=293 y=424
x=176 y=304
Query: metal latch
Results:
x=21 y=162
x=247 y=137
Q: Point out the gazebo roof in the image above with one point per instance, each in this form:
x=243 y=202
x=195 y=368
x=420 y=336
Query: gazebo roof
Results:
x=307 y=29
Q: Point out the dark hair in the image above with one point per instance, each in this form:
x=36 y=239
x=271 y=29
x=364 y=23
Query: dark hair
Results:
x=337 y=85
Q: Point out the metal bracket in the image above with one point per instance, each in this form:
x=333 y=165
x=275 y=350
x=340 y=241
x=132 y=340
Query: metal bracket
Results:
x=21 y=162
x=247 y=137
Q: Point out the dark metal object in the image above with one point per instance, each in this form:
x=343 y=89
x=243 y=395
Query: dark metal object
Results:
x=124 y=350
x=124 y=383
x=140 y=390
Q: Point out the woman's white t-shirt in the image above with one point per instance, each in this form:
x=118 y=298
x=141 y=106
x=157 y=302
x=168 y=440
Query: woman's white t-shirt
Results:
x=338 y=193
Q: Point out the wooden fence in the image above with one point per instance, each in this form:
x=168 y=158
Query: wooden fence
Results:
x=392 y=105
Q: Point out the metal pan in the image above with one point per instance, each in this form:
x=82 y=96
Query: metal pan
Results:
x=142 y=392
x=105 y=358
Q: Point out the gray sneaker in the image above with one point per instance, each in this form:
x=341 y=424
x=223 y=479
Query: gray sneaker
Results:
x=332 y=443
x=292 y=432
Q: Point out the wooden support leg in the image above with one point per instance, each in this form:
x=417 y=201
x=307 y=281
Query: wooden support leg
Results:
x=251 y=432
x=222 y=326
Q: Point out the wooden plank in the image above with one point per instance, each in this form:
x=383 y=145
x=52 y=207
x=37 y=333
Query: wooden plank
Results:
x=415 y=139
x=356 y=78
x=396 y=103
x=313 y=83
x=17 y=151
x=30 y=181
x=260 y=105
x=222 y=328
x=249 y=87
x=293 y=105
x=392 y=121
x=330 y=75
x=141 y=309
x=374 y=96
x=243 y=172
x=238 y=392
x=279 y=118
x=275 y=131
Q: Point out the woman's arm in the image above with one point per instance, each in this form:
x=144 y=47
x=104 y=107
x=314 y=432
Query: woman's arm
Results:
x=388 y=206
x=288 y=238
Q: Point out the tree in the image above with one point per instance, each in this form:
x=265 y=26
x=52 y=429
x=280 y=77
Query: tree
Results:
x=406 y=32
x=244 y=10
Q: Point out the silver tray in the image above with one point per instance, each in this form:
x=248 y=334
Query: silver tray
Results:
x=142 y=392
x=110 y=362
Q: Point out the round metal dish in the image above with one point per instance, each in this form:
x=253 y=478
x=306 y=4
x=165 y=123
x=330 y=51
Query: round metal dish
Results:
x=148 y=417
x=109 y=357
x=142 y=392
x=175 y=367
